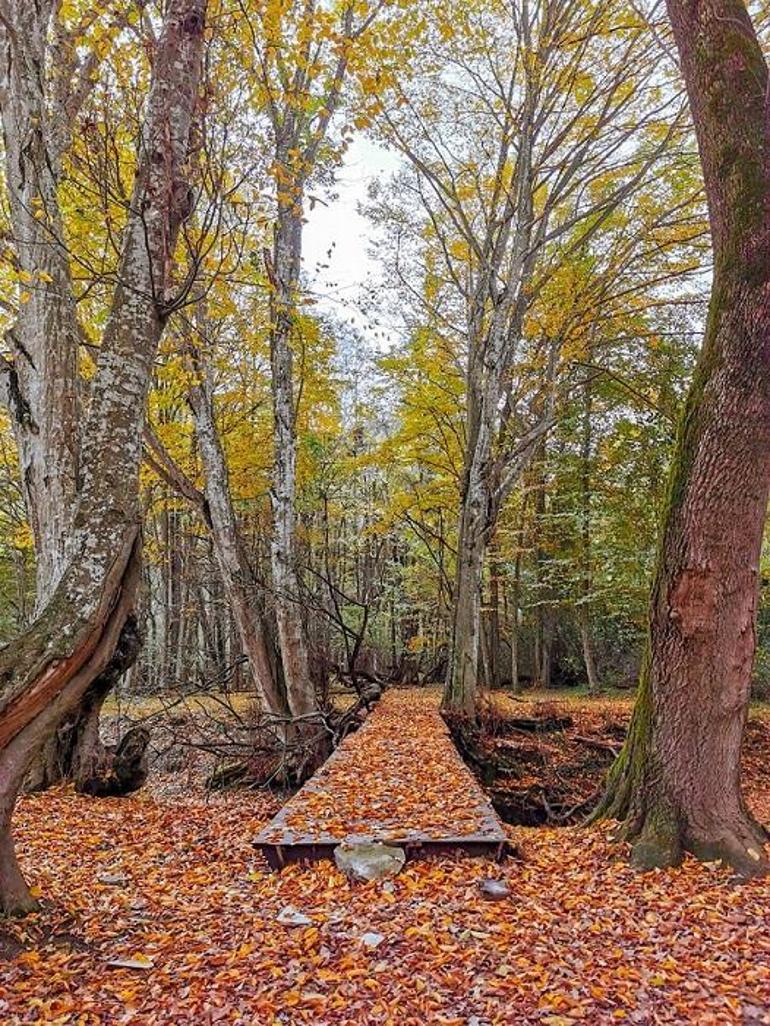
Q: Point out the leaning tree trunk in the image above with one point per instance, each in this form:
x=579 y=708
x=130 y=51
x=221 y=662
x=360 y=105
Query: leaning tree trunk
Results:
x=676 y=785
x=76 y=752
x=46 y=672
x=42 y=382
x=234 y=567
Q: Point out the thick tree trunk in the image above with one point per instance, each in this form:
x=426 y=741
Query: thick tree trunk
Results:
x=46 y=672
x=75 y=751
x=676 y=785
x=49 y=669
x=42 y=383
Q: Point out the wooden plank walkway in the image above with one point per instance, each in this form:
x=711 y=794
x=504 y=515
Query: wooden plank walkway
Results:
x=400 y=780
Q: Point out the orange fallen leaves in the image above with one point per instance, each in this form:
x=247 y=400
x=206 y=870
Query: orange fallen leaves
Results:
x=582 y=940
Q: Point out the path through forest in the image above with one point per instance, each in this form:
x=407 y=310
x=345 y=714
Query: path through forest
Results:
x=398 y=780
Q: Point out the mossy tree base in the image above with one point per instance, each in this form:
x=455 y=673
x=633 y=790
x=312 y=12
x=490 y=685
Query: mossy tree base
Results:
x=657 y=821
x=675 y=787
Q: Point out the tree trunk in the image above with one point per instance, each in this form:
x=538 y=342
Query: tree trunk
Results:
x=493 y=633
x=75 y=751
x=586 y=641
x=46 y=672
x=49 y=669
x=544 y=662
x=42 y=383
x=544 y=614
x=676 y=784
x=462 y=685
x=285 y=271
x=584 y=613
x=234 y=567
x=515 y=604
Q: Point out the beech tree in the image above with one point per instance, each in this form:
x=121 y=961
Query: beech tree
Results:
x=88 y=613
x=676 y=785
x=521 y=152
x=302 y=96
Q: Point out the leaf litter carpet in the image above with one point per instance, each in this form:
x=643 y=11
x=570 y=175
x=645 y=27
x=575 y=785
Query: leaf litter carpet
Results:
x=160 y=911
x=399 y=779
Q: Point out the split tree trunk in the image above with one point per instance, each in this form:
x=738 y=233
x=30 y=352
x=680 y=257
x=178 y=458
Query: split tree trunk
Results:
x=42 y=382
x=76 y=752
x=676 y=785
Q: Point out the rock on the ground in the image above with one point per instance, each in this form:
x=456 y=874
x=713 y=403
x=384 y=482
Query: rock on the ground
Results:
x=112 y=879
x=369 y=861
x=494 y=890
x=290 y=916
x=372 y=940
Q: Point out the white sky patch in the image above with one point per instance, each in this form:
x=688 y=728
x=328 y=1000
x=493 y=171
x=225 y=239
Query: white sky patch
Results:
x=336 y=260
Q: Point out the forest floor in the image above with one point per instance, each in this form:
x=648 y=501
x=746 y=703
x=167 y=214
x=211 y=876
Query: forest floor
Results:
x=156 y=909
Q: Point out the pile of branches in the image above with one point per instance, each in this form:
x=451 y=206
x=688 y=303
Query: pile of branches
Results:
x=545 y=767
x=226 y=740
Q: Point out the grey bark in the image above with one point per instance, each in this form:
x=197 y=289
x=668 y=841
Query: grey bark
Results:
x=237 y=575
x=48 y=669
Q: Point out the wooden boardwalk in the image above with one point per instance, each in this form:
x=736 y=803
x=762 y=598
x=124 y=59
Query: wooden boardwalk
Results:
x=399 y=780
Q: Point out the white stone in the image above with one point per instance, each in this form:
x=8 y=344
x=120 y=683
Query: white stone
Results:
x=290 y=916
x=369 y=861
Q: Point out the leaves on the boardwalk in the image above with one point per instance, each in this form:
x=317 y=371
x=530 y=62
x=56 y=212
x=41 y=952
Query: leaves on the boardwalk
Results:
x=399 y=776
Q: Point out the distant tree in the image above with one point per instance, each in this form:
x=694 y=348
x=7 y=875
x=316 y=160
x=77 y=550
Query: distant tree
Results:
x=676 y=784
x=530 y=128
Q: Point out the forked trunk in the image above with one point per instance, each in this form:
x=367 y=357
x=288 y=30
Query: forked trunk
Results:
x=46 y=672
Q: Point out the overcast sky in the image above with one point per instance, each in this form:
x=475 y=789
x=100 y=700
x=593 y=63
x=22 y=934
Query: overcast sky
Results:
x=340 y=228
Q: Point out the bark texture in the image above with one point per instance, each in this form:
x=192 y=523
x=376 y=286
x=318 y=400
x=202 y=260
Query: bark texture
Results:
x=46 y=672
x=41 y=381
x=285 y=270
x=76 y=752
x=676 y=785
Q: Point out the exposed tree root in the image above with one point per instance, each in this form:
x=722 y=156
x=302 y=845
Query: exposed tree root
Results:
x=45 y=690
